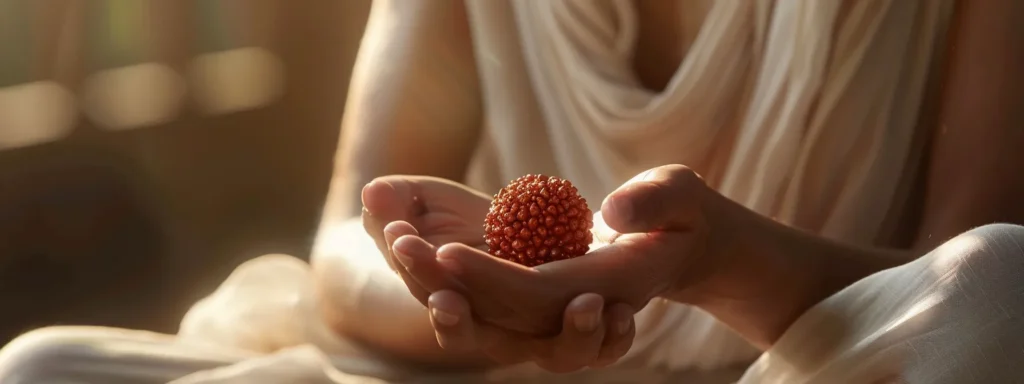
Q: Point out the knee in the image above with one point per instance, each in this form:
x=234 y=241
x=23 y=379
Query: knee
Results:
x=987 y=242
x=978 y=277
x=999 y=232
x=42 y=355
x=992 y=255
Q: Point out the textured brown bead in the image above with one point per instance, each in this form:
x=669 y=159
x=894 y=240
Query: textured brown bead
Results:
x=538 y=219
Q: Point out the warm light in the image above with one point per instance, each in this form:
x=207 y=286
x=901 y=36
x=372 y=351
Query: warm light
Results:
x=949 y=256
x=133 y=96
x=236 y=80
x=35 y=113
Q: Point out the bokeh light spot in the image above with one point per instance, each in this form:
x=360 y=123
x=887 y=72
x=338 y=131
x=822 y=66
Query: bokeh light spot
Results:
x=236 y=80
x=134 y=96
x=35 y=113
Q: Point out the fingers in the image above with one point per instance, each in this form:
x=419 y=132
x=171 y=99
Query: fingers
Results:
x=621 y=273
x=663 y=198
x=579 y=344
x=413 y=198
x=458 y=331
x=419 y=267
x=471 y=265
x=404 y=197
x=603 y=234
x=452 y=320
x=391 y=198
x=382 y=204
x=393 y=232
x=619 y=334
x=494 y=286
x=592 y=335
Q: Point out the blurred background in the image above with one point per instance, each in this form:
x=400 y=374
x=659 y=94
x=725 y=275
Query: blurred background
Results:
x=147 y=147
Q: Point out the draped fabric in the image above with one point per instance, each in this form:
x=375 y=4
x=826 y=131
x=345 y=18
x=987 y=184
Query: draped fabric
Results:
x=804 y=111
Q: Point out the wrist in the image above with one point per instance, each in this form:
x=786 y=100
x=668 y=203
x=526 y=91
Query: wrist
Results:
x=762 y=275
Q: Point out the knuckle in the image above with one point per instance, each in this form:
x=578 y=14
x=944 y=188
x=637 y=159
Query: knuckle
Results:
x=684 y=178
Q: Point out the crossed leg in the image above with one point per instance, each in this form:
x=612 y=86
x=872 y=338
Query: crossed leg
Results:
x=952 y=316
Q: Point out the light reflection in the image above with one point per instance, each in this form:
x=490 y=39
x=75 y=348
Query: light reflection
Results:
x=945 y=262
x=919 y=312
x=949 y=255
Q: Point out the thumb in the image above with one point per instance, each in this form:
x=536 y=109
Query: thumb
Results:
x=391 y=198
x=668 y=197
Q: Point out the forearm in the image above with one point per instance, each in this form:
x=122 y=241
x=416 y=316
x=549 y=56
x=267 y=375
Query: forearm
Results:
x=772 y=274
x=767 y=274
x=414 y=102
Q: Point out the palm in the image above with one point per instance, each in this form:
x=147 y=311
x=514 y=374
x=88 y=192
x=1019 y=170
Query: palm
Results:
x=453 y=220
x=442 y=211
x=511 y=297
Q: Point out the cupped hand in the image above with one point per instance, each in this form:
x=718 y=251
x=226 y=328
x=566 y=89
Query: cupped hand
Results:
x=442 y=211
x=653 y=240
x=414 y=215
x=592 y=333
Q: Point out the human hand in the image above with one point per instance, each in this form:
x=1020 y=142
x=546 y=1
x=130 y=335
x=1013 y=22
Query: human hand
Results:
x=441 y=210
x=655 y=242
x=425 y=213
x=592 y=334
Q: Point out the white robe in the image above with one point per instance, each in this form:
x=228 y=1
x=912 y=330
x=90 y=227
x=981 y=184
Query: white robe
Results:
x=805 y=111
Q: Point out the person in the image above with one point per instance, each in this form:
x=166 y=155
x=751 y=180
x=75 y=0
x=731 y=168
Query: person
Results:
x=831 y=156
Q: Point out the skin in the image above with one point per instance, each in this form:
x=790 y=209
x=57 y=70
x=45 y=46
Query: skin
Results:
x=757 y=278
x=416 y=87
x=414 y=105
x=416 y=215
x=438 y=212
x=663 y=238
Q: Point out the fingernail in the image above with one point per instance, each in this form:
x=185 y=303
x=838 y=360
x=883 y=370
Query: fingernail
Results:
x=443 y=317
x=624 y=325
x=586 y=322
x=450 y=265
x=403 y=258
